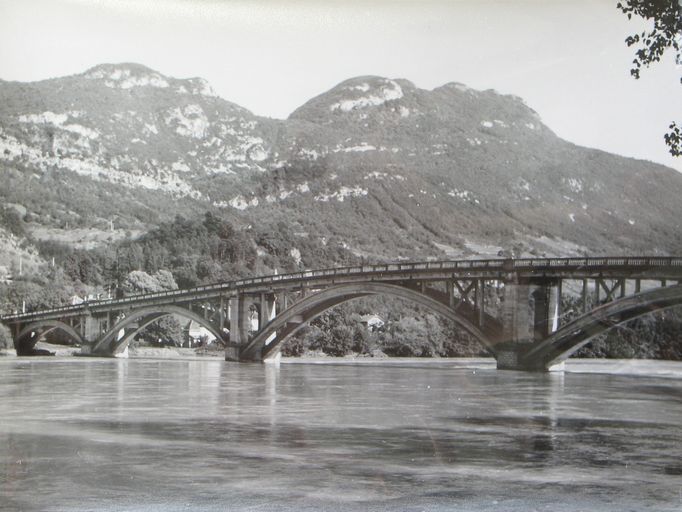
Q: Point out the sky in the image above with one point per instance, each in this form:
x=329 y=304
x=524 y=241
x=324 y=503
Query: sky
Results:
x=566 y=58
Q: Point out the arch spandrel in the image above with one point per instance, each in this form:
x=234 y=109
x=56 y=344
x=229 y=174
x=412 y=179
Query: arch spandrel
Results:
x=564 y=342
x=22 y=345
x=314 y=305
x=108 y=344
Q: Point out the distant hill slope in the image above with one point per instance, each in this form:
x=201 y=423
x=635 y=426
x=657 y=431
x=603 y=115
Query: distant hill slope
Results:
x=378 y=165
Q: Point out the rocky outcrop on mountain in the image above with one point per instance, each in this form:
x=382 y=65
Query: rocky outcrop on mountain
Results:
x=376 y=165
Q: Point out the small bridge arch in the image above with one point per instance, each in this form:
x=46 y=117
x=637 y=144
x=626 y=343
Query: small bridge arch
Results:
x=24 y=342
x=289 y=321
x=114 y=341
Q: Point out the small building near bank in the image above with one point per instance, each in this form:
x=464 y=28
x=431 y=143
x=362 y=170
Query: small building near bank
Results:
x=198 y=334
x=372 y=322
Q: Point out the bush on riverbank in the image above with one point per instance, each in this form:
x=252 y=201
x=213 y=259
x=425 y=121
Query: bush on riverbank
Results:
x=5 y=338
x=656 y=336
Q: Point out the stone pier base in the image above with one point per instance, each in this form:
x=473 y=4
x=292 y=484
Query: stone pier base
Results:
x=510 y=359
x=232 y=352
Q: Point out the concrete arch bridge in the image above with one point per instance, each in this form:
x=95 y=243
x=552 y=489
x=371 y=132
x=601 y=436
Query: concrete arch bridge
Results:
x=512 y=306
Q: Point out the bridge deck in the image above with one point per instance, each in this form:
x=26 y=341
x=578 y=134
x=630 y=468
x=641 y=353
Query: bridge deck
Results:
x=654 y=268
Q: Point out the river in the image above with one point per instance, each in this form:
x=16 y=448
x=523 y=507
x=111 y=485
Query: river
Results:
x=81 y=434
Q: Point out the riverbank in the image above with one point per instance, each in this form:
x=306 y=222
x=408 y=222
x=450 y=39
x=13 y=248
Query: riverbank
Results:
x=629 y=367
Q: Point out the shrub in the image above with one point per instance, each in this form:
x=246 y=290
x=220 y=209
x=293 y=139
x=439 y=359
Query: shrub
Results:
x=6 y=340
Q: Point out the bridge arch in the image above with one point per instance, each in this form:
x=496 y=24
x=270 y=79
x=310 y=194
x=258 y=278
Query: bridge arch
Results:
x=568 y=339
x=110 y=344
x=291 y=320
x=24 y=344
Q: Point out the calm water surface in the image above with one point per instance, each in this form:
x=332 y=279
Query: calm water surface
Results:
x=171 y=435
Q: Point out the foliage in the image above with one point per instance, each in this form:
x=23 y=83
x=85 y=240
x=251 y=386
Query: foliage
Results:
x=12 y=222
x=194 y=251
x=422 y=336
x=166 y=331
x=298 y=345
x=408 y=332
x=652 y=44
x=139 y=281
x=362 y=340
x=81 y=266
x=458 y=343
x=6 y=340
x=332 y=334
x=39 y=292
x=654 y=336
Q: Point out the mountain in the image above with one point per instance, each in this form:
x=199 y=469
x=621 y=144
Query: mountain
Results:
x=376 y=165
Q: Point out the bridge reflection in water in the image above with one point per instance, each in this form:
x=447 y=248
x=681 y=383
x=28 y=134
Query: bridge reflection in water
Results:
x=512 y=306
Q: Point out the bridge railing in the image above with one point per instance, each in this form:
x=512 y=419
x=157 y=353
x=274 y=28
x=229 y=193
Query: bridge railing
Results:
x=392 y=268
x=657 y=261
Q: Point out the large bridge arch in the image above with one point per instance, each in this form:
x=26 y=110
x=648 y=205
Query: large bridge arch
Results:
x=24 y=344
x=289 y=321
x=109 y=344
x=564 y=342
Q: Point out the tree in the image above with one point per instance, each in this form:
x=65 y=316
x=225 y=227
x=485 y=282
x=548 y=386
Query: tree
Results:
x=408 y=337
x=362 y=343
x=11 y=220
x=652 y=45
x=168 y=331
x=81 y=266
x=165 y=280
x=5 y=337
x=139 y=281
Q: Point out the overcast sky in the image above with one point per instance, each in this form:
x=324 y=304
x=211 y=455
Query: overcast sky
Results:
x=567 y=59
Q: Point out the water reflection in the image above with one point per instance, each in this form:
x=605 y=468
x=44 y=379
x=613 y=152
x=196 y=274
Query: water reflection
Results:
x=178 y=435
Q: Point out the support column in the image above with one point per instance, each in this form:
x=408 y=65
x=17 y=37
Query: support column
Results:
x=480 y=301
x=555 y=306
x=221 y=315
x=239 y=330
x=584 y=295
x=267 y=310
x=92 y=328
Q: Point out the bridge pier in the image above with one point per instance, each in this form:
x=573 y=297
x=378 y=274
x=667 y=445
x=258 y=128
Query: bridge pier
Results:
x=530 y=312
x=248 y=314
x=92 y=327
x=509 y=358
